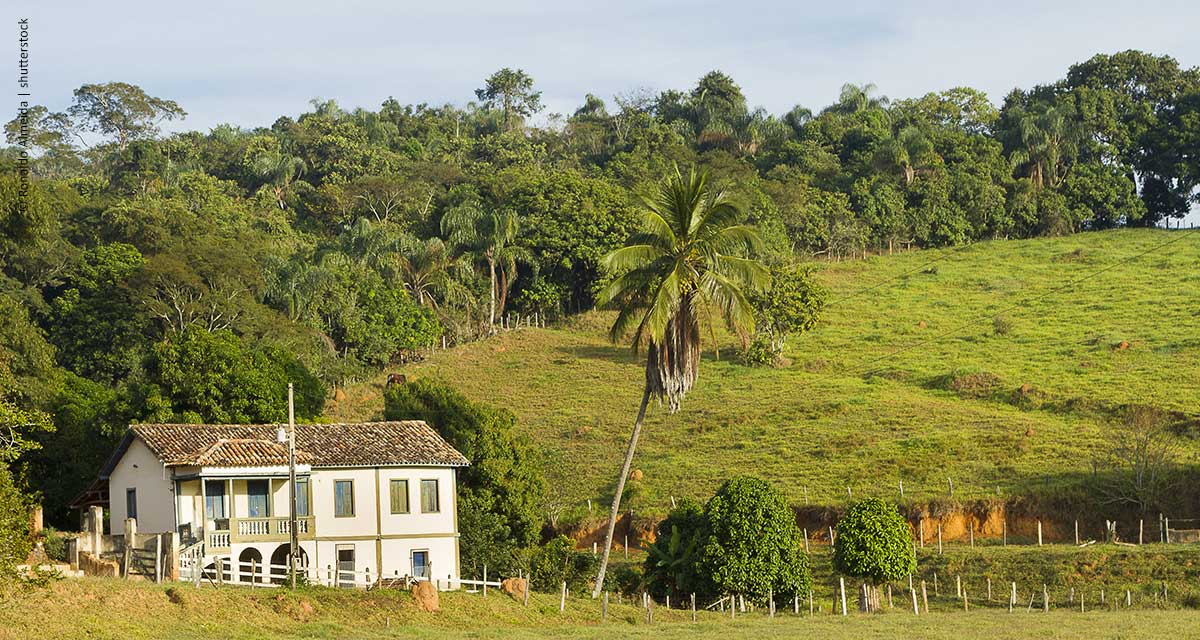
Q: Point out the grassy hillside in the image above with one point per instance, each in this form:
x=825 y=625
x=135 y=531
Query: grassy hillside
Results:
x=971 y=363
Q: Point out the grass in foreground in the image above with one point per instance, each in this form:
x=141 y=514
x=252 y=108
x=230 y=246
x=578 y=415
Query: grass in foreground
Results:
x=99 y=608
x=823 y=423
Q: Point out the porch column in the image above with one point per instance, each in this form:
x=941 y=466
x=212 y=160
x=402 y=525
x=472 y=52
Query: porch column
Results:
x=203 y=514
x=233 y=560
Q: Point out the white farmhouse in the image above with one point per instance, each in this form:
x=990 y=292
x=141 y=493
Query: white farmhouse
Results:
x=374 y=498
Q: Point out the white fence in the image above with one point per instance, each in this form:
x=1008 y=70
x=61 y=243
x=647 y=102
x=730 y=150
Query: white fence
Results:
x=224 y=571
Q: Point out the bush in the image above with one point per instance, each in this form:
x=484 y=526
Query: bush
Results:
x=759 y=353
x=751 y=544
x=14 y=524
x=874 y=543
x=670 y=566
x=558 y=561
x=627 y=579
x=55 y=544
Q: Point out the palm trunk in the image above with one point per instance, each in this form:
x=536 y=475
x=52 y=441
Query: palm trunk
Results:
x=616 y=503
x=492 y=304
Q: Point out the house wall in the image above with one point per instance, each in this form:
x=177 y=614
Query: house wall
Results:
x=383 y=541
x=189 y=505
x=415 y=521
x=140 y=469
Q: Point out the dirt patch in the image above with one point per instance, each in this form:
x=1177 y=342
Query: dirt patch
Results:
x=639 y=531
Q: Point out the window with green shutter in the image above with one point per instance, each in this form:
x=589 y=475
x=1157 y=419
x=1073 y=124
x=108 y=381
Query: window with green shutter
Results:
x=343 y=498
x=429 y=496
x=399 y=496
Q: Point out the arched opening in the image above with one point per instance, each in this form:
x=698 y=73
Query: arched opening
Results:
x=279 y=563
x=250 y=562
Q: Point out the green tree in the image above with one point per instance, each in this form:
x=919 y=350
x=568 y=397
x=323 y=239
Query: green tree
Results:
x=874 y=543
x=213 y=377
x=121 y=110
x=511 y=91
x=685 y=266
x=790 y=306
x=751 y=545
x=500 y=492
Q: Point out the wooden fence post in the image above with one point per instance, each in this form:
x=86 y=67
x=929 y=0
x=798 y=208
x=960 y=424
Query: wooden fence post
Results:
x=1141 y=528
x=939 y=538
x=1039 y=523
x=1012 y=602
x=916 y=611
x=485 y=581
x=525 y=598
x=958 y=585
x=921 y=531
x=1045 y=599
x=989 y=589
x=842 y=591
x=158 y=573
x=806 y=540
x=693 y=606
x=1077 y=532
x=562 y=598
x=890 y=605
x=925 y=596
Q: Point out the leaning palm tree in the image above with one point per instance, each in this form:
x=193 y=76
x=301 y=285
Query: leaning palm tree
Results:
x=688 y=264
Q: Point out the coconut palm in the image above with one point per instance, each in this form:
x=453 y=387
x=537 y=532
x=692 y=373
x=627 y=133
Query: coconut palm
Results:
x=687 y=265
x=490 y=237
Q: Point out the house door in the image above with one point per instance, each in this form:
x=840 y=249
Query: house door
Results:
x=420 y=563
x=345 y=566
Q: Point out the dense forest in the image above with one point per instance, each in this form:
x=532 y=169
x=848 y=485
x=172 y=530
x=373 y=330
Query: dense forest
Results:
x=189 y=277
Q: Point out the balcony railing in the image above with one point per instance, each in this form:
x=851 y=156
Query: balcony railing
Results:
x=269 y=529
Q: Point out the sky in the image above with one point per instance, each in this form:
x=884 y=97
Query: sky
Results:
x=247 y=63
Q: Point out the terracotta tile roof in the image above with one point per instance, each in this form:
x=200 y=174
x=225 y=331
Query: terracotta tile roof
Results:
x=242 y=452
x=407 y=442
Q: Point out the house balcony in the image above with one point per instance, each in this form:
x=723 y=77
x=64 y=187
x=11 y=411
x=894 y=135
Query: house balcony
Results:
x=243 y=530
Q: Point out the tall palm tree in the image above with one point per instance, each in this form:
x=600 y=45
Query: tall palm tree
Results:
x=490 y=237
x=909 y=151
x=686 y=265
x=857 y=98
x=1045 y=144
x=279 y=169
x=427 y=271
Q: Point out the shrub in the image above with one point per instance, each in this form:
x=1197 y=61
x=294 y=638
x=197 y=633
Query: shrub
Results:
x=14 y=524
x=670 y=566
x=759 y=353
x=1002 y=325
x=55 y=544
x=558 y=561
x=751 y=544
x=874 y=543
